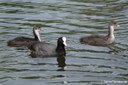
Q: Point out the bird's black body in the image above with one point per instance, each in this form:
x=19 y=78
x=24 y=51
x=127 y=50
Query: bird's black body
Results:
x=42 y=49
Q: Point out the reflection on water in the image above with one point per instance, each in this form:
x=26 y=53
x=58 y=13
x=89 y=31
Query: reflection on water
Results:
x=86 y=64
x=61 y=63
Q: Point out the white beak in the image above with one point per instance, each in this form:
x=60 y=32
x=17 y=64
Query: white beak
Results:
x=64 y=41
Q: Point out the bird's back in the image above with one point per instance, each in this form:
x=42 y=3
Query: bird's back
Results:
x=94 y=40
x=43 y=49
x=20 y=41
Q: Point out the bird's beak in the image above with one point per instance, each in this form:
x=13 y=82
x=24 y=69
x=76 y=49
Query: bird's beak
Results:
x=65 y=43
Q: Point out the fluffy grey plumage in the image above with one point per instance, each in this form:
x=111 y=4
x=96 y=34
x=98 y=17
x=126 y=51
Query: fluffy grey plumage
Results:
x=101 y=40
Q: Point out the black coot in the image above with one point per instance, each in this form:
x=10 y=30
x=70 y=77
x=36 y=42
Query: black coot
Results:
x=42 y=49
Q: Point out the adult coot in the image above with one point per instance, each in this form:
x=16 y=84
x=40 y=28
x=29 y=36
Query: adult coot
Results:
x=42 y=49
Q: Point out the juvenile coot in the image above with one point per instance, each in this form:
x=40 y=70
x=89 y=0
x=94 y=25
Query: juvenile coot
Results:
x=101 y=40
x=25 y=41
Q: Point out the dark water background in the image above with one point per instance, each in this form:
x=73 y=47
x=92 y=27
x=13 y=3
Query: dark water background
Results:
x=85 y=64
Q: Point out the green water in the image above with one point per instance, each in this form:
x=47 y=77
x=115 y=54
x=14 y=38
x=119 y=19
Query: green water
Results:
x=85 y=64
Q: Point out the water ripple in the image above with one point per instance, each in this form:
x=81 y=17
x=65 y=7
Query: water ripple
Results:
x=85 y=64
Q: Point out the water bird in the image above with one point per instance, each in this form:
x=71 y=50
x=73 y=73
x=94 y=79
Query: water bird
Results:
x=99 y=40
x=43 y=49
x=25 y=41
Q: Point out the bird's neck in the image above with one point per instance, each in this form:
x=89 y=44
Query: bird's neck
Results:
x=36 y=35
x=111 y=33
x=60 y=49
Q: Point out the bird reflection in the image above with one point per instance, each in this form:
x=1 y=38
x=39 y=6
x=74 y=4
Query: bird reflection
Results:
x=61 y=63
x=113 y=48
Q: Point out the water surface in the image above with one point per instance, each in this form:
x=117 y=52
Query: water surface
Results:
x=85 y=64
